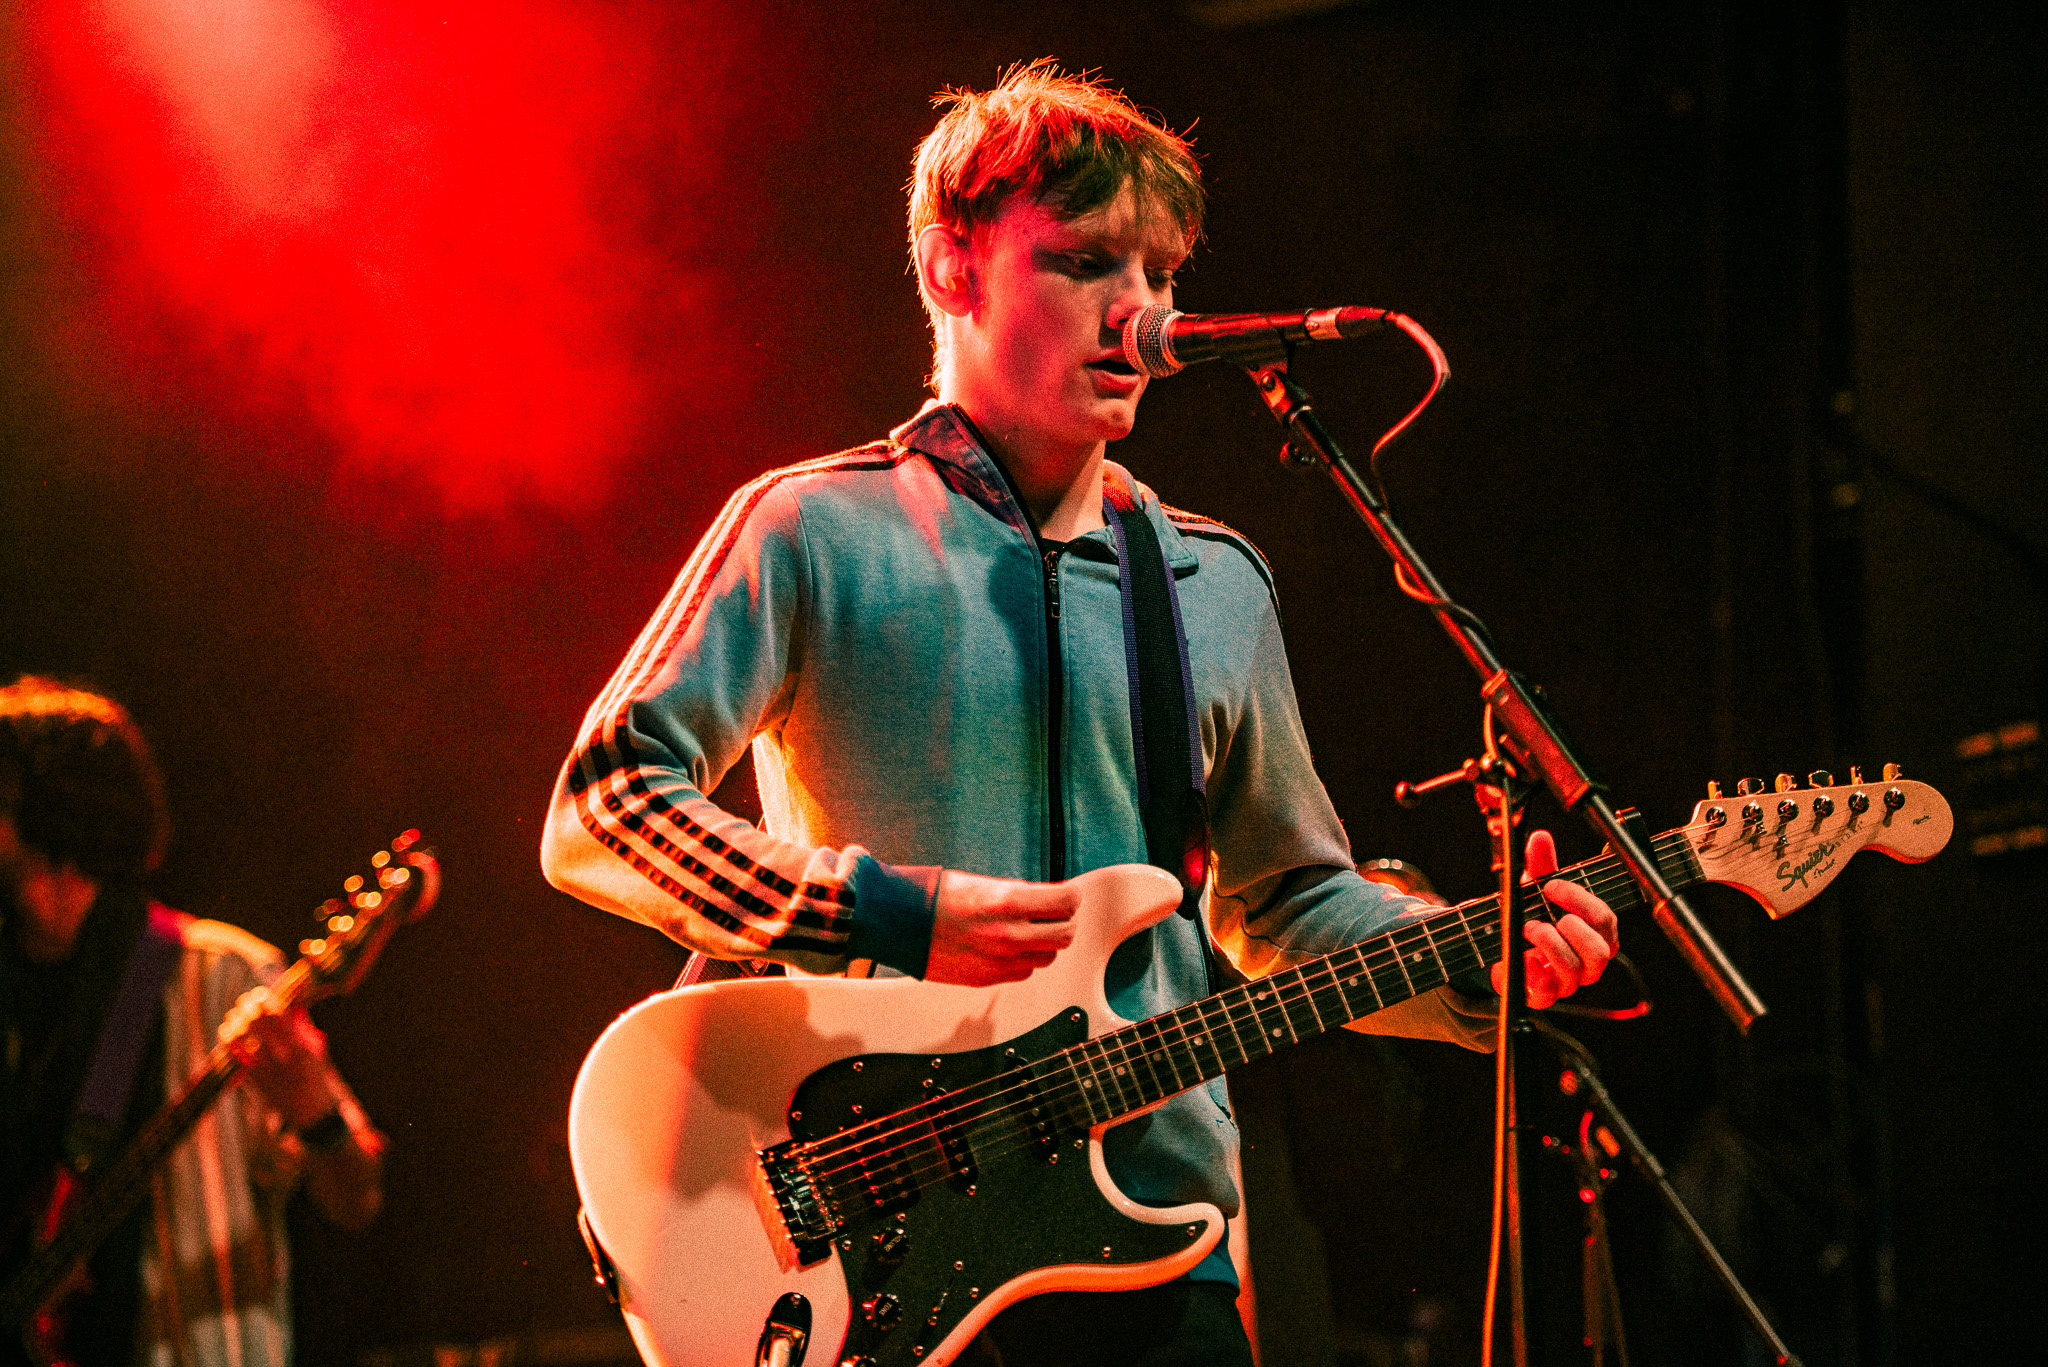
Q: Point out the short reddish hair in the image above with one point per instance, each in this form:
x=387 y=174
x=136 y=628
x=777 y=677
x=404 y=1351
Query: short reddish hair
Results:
x=1064 y=141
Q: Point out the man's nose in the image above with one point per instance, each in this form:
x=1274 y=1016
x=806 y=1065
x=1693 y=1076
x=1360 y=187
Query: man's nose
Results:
x=1135 y=292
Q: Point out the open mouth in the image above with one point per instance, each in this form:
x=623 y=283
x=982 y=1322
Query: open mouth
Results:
x=1113 y=365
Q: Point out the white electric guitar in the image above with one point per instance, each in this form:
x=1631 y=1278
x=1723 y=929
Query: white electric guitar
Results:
x=792 y=1170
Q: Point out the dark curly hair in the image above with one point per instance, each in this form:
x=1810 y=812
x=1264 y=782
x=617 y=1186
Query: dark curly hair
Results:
x=78 y=781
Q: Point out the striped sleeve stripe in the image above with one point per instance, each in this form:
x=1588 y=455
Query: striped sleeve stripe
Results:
x=618 y=805
x=670 y=829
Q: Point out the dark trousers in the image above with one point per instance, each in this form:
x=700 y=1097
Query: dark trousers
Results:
x=1180 y=1324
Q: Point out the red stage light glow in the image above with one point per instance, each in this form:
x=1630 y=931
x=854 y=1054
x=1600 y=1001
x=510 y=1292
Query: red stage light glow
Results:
x=447 y=234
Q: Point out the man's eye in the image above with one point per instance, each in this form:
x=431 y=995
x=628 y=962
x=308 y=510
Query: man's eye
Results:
x=1163 y=280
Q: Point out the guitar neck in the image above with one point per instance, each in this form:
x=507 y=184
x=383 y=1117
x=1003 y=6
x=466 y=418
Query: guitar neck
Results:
x=1132 y=1068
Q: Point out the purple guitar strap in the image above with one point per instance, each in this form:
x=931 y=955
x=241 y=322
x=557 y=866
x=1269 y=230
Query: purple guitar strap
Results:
x=110 y=1081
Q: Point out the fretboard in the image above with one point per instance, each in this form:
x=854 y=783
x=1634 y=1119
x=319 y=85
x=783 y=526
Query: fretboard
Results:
x=1127 y=1070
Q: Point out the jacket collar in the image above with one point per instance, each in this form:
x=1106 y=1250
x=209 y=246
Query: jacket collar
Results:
x=941 y=433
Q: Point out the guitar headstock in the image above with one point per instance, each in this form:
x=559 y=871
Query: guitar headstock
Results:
x=399 y=885
x=1782 y=847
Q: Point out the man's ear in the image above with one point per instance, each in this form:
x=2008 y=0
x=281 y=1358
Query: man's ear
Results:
x=945 y=270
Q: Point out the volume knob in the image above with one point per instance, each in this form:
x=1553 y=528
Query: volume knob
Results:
x=892 y=1245
x=884 y=1312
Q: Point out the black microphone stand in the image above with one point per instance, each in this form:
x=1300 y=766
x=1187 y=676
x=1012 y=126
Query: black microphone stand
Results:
x=1581 y=1081
x=1536 y=747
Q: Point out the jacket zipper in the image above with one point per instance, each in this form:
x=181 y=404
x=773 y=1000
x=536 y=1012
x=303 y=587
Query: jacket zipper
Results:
x=1056 y=807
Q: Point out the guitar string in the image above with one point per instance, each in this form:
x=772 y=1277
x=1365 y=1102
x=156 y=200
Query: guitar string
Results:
x=932 y=1123
x=983 y=1108
x=973 y=1111
x=943 y=1117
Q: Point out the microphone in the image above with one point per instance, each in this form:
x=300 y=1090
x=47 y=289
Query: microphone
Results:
x=1158 y=341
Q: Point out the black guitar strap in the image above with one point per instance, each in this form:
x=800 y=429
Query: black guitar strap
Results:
x=1166 y=734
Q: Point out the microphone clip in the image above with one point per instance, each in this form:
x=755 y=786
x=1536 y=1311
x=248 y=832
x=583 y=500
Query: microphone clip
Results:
x=1288 y=401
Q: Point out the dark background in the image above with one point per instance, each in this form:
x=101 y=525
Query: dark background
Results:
x=1744 y=307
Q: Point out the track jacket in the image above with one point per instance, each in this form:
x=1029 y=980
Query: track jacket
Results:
x=917 y=679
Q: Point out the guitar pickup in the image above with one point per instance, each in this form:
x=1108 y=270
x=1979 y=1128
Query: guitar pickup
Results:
x=1040 y=1123
x=960 y=1168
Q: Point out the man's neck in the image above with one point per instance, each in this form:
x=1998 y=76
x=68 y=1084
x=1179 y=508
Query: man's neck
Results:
x=1061 y=486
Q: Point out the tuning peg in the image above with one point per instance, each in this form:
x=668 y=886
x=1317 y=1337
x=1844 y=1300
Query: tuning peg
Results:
x=1786 y=783
x=1891 y=773
x=1820 y=778
x=380 y=859
x=1748 y=786
x=1713 y=791
x=1855 y=774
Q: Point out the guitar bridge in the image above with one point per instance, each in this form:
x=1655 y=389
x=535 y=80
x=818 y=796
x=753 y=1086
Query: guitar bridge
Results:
x=805 y=1213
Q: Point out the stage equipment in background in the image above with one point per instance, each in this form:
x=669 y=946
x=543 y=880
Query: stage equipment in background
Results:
x=88 y=1201
x=911 y=1157
x=2005 y=790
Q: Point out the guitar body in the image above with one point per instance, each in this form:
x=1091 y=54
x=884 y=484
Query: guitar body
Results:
x=680 y=1096
x=863 y=1173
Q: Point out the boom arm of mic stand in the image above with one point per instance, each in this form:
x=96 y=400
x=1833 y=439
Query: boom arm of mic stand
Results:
x=1531 y=734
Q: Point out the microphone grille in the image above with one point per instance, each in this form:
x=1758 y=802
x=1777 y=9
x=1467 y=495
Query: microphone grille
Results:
x=1145 y=341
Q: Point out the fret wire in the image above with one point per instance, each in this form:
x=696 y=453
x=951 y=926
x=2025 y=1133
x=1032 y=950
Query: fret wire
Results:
x=1230 y=1019
x=1110 y=1050
x=1309 y=994
x=1429 y=937
x=1149 y=1054
x=1168 y=1049
x=1282 y=985
x=1082 y=1094
x=1326 y=969
x=1266 y=1033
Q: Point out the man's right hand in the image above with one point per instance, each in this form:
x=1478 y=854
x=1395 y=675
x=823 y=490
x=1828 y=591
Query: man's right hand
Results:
x=997 y=930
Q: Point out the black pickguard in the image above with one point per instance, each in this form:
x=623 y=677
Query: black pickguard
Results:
x=1012 y=1201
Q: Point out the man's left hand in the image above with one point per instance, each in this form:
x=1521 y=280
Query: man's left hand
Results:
x=1564 y=957
x=285 y=1054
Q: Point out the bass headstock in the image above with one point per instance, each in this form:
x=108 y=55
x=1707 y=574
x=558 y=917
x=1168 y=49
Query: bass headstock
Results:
x=1782 y=847
x=399 y=885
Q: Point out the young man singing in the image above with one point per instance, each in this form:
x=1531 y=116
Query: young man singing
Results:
x=924 y=640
